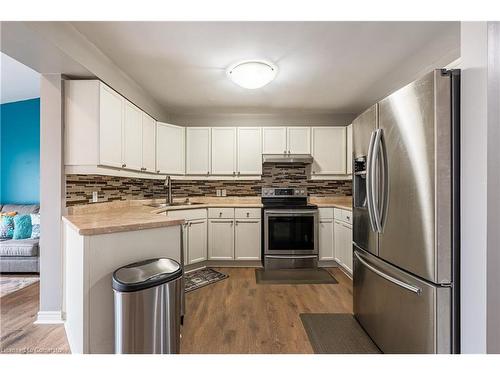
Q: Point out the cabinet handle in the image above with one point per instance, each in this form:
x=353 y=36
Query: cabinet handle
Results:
x=248 y=214
x=238 y=173
x=124 y=165
x=288 y=151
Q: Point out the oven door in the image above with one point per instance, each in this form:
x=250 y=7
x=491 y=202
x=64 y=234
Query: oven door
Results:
x=290 y=232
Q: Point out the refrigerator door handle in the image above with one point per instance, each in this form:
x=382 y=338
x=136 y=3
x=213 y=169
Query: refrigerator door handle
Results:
x=402 y=284
x=385 y=181
x=373 y=180
x=369 y=195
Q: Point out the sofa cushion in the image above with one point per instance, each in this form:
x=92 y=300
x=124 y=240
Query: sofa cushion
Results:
x=22 y=227
x=26 y=248
x=6 y=226
x=22 y=208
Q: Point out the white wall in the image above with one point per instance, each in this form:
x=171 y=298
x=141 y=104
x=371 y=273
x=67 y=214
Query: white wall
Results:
x=493 y=240
x=480 y=188
x=51 y=198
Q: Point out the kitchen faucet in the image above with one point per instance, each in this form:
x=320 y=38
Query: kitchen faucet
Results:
x=168 y=184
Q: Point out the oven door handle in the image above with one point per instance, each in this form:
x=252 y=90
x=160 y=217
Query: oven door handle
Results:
x=291 y=212
x=291 y=256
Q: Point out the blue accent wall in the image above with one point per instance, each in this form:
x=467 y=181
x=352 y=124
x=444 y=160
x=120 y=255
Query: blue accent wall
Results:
x=20 y=152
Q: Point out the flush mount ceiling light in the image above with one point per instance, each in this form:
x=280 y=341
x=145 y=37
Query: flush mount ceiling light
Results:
x=252 y=74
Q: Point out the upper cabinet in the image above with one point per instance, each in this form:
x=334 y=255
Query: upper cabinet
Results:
x=148 y=143
x=198 y=151
x=274 y=140
x=329 y=150
x=109 y=122
x=349 y=150
x=249 y=151
x=299 y=140
x=223 y=151
x=170 y=140
x=132 y=137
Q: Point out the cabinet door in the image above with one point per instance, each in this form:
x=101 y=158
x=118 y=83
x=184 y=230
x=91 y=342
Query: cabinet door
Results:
x=170 y=140
x=197 y=151
x=148 y=143
x=132 y=137
x=329 y=150
x=274 y=140
x=349 y=150
x=348 y=247
x=247 y=239
x=197 y=241
x=299 y=140
x=249 y=151
x=338 y=242
x=110 y=127
x=221 y=239
x=326 y=245
x=224 y=151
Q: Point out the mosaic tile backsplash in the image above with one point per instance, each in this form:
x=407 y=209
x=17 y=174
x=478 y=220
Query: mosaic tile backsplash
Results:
x=79 y=187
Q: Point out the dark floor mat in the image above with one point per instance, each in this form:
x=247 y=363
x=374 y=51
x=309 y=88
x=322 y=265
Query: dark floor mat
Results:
x=295 y=276
x=200 y=278
x=337 y=334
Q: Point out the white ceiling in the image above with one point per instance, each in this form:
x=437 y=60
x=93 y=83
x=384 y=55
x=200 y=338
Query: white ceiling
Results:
x=17 y=81
x=336 y=67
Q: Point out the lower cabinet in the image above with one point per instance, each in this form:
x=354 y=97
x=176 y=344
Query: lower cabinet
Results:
x=196 y=240
x=221 y=239
x=326 y=245
x=343 y=244
x=247 y=239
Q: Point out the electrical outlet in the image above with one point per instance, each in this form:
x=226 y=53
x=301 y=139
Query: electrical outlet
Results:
x=223 y=192
x=94 y=197
x=218 y=192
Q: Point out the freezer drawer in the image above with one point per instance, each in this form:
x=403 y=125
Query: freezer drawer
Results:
x=402 y=314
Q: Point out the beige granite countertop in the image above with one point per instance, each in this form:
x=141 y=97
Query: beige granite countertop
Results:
x=129 y=215
x=344 y=203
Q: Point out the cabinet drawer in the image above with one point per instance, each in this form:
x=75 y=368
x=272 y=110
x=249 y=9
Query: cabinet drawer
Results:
x=347 y=216
x=337 y=214
x=221 y=213
x=325 y=213
x=247 y=213
x=188 y=214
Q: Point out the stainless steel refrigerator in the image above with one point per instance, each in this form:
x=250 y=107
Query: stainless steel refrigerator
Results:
x=406 y=217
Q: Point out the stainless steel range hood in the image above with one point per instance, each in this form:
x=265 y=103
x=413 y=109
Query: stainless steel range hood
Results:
x=287 y=159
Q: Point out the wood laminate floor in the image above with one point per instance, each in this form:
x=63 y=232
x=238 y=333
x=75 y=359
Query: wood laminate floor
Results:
x=238 y=316
x=18 y=334
x=231 y=316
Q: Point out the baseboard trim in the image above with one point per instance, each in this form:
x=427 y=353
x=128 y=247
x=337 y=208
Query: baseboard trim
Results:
x=49 y=317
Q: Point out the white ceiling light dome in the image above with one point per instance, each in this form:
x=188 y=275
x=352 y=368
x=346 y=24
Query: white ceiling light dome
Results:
x=252 y=74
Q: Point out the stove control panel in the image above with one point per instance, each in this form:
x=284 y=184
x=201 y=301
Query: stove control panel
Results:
x=284 y=192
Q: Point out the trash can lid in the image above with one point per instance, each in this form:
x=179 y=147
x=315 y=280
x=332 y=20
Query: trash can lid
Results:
x=145 y=274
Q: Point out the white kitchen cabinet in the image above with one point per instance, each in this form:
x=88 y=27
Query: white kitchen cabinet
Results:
x=223 y=151
x=247 y=234
x=132 y=137
x=197 y=240
x=343 y=244
x=249 y=151
x=221 y=239
x=299 y=140
x=148 y=143
x=349 y=150
x=110 y=124
x=329 y=150
x=326 y=245
x=198 y=151
x=170 y=141
x=274 y=140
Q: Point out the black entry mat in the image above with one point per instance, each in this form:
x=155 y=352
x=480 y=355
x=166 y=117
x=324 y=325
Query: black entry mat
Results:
x=337 y=334
x=295 y=276
x=200 y=278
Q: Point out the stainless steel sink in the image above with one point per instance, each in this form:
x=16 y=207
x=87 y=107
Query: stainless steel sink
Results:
x=164 y=205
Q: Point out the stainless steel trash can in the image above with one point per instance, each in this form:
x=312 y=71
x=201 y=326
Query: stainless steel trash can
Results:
x=147 y=298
